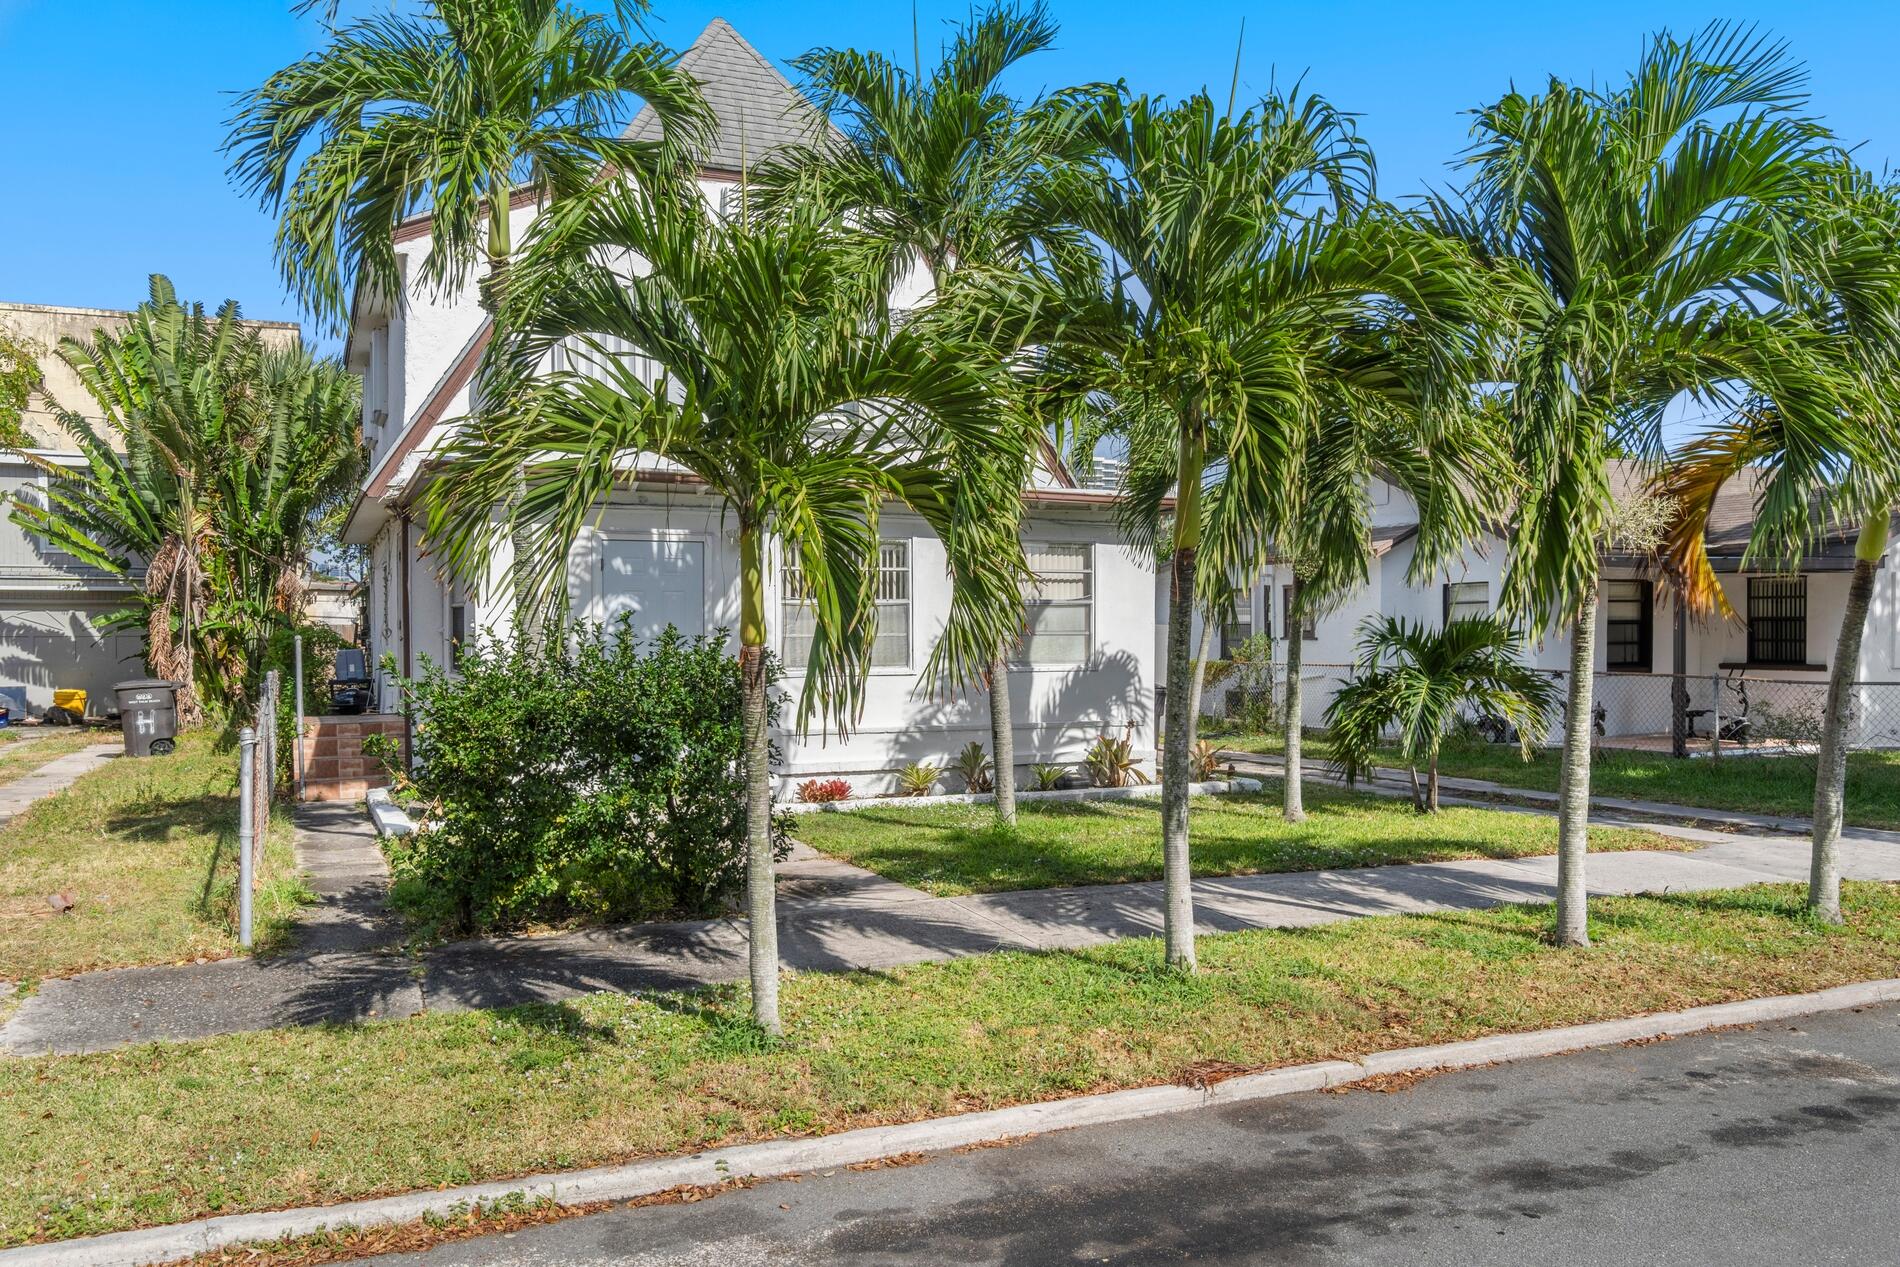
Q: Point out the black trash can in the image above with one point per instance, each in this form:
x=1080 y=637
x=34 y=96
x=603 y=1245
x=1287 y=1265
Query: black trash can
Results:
x=148 y=713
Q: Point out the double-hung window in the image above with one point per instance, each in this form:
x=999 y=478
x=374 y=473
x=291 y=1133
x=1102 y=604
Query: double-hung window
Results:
x=1059 y=624
x=1467 y=598
x=890 y=645
x=1778 y=620
x=1628 y=626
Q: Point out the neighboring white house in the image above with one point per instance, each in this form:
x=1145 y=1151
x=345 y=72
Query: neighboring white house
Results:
x=665 y=554
x=1783 y=633
x=52 y=608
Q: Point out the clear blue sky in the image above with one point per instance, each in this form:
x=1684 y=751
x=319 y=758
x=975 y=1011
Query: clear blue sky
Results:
x=113 y=109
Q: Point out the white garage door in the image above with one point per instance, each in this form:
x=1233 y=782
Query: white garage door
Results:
x=658 y=583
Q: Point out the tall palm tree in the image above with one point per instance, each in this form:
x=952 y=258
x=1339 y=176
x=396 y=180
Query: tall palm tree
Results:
x=1232 y=262
x=1809 y=475
x=784 y=384
x=1627 y=220
x=933 y=170
x=216 y=457
x=1420 y=681
x=455 y=109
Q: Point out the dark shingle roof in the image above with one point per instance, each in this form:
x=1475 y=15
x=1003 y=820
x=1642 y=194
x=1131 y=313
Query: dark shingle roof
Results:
x=755 y=109
x=1732 y=520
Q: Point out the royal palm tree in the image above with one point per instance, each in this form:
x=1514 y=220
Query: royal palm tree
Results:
x=1810 y=474
x=1235 y=265
x=455 y=109
x=782 y=381
x=933 y=171
x=1421 y=681
x=216 y=457
x=1625 y=221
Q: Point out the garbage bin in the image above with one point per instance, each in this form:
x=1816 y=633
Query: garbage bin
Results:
x=148 y=713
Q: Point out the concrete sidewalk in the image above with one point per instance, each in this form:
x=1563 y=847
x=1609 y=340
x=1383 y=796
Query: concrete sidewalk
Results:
x=53 y=778
x=833 y=917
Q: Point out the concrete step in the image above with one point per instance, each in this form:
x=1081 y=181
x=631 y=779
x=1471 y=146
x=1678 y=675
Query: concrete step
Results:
x=341 y=788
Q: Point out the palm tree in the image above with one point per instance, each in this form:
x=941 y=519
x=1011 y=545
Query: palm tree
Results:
x=455 y=110
x=1233 y=264
x=217 y=457
x=933 y=171
x=782 y=382
x=1807 y=477
x=1421 y=681
x=1626 y=220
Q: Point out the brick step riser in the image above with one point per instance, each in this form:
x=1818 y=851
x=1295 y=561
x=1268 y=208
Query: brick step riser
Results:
x=341 y=789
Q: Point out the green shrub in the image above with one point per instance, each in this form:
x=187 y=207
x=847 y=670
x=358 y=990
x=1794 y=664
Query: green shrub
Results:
x=601 y=779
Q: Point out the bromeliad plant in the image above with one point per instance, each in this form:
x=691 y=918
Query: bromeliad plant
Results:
x=919 y=778
x=1111 y=762
x=1419 y=683
x=974 y=765
x=771 y=370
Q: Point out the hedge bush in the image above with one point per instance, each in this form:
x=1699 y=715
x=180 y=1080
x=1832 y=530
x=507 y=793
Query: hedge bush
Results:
x=599 y=779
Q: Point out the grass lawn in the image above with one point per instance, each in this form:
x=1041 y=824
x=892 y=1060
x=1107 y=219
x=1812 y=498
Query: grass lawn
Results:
x=147 y=851
x=1763 y=785
x=167 y=1132
x=20 y=755
x=952 y=849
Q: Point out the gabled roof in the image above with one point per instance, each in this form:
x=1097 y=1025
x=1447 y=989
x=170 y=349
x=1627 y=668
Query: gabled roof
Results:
x=755 y=109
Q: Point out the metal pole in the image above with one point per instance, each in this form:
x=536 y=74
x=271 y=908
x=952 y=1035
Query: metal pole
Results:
x=1715 y=711
x=247 y=748
x=296 y=663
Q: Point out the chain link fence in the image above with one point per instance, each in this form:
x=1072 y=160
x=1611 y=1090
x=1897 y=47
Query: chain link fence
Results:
x=257 y=787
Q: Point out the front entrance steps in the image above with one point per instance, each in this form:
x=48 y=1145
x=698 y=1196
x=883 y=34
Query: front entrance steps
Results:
x=335 y=767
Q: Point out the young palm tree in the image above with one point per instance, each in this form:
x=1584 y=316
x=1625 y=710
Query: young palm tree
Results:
x=216 y=459
x=1420 y=681
x=785 y=385
x=933 y=171
x=1626 y=219
x=1808 y=478
x=1234 y=266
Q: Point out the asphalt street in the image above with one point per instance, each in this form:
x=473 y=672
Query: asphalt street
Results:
x=1767 y=1145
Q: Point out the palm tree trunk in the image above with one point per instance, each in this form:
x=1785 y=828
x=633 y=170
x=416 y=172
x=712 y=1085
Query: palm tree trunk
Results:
x=1418 y=793
x=1830 y=776
x=1002 y=742
x=1431 y=786
x=1197 y=681
x=1573 y=787
x=1178 y=907
x=1293 y=806
x=761 y=896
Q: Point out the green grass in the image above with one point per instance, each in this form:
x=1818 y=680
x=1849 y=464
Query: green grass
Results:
x=147 y=850
x=167 y=1132
x=1761 y=785
x=952 y=849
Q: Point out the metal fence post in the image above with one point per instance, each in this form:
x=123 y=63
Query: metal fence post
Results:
x=247 y=793
x=1715 y=712
x=296 y=665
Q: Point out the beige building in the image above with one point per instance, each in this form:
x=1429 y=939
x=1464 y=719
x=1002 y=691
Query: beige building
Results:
x=52 y=608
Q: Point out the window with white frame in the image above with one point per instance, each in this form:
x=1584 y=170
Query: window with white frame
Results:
x=1059 y=624
x=1467 y=598
x=890 y=645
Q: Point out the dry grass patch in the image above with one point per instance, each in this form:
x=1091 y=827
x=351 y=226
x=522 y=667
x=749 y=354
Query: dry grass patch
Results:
x=168 y=1132
x=146 y=849
x=22 y=754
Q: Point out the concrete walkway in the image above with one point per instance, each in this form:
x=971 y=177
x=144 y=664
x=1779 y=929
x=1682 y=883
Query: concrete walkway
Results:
x=53 y=778
x=833 y=917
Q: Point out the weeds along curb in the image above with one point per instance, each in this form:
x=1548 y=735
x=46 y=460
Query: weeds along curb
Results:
x=784 y=1157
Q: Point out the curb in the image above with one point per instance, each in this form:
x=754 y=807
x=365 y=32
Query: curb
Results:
x=784 y=1157
x=387 y=817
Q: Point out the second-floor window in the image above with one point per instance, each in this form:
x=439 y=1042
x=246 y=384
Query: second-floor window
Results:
x=1059 y=624
x=890 y=646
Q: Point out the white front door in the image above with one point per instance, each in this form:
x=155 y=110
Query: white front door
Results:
x=657 y=583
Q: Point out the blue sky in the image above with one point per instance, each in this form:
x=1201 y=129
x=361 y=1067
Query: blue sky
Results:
x=114 y=109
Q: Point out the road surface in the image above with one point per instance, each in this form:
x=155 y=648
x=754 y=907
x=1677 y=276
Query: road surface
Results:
x=1769 y=1145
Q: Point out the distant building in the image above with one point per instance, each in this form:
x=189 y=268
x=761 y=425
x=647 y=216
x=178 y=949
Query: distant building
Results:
x=51 y=606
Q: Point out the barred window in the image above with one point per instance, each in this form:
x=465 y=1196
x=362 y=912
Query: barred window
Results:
x=1060 y=618
x=890 y=646
x=1777 y=620
x=1628 y=608
x=1467 y=598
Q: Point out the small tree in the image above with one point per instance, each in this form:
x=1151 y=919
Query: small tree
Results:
x=1420 y=681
